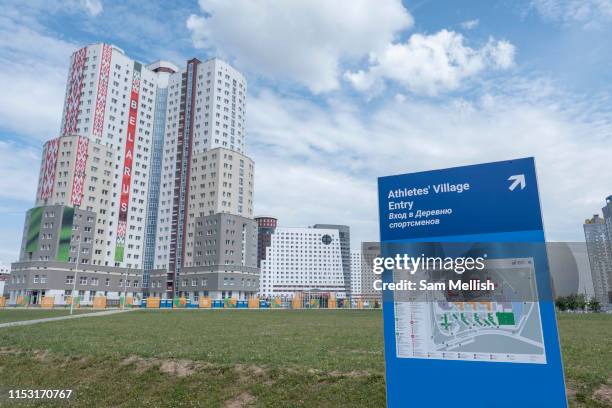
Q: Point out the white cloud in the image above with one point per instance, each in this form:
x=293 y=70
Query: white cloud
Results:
x=470 y=24
x=303 y=40
x=93 y=7
x=326 y=171
x=590 y=13
x=430 y=64
x=33 y=72
x=19 y=169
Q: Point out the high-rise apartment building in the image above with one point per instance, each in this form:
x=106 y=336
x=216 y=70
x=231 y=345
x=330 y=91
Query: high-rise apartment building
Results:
x=203 y=172
x=143 y=156
x=369 y=251
x=600 y=257
x=301 y=260
x=356 y=271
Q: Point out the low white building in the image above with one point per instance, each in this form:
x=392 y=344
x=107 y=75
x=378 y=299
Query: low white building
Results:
x=301 y=260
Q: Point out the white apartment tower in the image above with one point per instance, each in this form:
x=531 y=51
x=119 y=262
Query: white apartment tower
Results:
x=144 y=157
x=110 y=101
x=204 y=170
x=93 y=190
x=302 y=259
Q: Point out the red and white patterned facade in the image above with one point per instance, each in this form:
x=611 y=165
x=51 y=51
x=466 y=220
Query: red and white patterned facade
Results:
x=94 y=142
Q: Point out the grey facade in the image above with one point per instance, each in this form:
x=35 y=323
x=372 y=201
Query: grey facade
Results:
x=599 y=251
x=55 y=237
x=369 y=251
x=224 y=260
x=344 y=232
x=36 y=279
x=47 y=246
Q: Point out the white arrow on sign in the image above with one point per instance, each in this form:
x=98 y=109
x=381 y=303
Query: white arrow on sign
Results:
x=517 y=179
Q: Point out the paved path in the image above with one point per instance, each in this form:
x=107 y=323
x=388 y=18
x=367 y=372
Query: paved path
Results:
x=52 y=319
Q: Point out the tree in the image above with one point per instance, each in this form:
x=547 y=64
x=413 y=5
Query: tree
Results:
x=571 y=302
x=561 y=303
x=581 y=302
x=594 y=305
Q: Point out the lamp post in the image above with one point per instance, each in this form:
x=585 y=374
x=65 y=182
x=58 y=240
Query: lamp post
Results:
x=76 y=270
x=126 y=289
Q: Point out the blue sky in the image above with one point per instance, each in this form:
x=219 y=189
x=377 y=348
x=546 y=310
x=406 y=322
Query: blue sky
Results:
x=343 y=92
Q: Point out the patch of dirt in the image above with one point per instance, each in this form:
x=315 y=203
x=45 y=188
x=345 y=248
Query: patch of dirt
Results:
x=40 y=355
x=142 y=364
x=243 y=400
x=180 y=368
x=8 y=350
x=603 y=393
x=246 y=372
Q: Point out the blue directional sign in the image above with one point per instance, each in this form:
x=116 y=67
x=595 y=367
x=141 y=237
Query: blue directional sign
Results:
x=460 y=348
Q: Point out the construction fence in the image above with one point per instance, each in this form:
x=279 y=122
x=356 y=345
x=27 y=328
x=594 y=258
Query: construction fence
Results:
x=300 y=300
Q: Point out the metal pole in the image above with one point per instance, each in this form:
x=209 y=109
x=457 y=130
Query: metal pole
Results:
x=76 y=270
x=125 y=286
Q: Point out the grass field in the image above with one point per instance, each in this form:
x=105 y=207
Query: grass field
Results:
x=243 y=358
x=17 y=315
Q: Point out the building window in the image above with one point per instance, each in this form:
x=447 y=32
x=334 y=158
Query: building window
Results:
x=69 y=280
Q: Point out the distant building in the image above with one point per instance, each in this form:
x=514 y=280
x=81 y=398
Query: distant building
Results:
x=344 y=232
x=600 y=257
x=303 y=259
x=265 y=228
x=356 y=272
x=369 y=251
x=4 y=276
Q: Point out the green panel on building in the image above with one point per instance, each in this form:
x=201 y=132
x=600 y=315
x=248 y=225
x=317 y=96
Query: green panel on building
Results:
x=34 y=221
x=505 y=318
x=119 y=249
x=65 y=234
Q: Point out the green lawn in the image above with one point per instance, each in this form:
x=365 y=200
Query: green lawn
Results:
x=17 y=315
x=240 y=358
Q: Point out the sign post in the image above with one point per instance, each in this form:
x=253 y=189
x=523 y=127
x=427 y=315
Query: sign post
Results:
x=453 y=346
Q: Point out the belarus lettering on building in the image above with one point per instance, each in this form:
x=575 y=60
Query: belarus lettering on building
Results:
x=126 y=180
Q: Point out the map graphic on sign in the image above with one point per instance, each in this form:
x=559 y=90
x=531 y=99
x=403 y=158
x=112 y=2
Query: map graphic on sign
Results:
x=503 y=326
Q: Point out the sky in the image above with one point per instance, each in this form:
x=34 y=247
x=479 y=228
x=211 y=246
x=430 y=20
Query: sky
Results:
x=343 y=92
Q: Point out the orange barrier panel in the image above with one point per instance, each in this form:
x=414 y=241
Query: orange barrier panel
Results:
x=153 y=303
x=254 y=303
x=77 y=302
x=2 y=301
x=205 y=303
x=99 y=302
x=360 y=304
x=47 y=302
x=183 y=302
x=20 y=301
x=331 y=304
x=296 y=302
x=130 y=301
